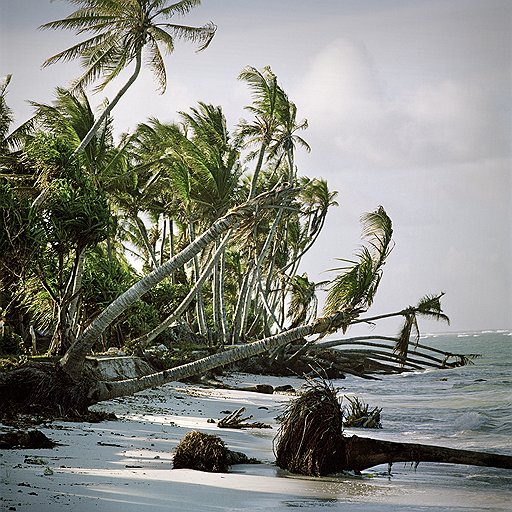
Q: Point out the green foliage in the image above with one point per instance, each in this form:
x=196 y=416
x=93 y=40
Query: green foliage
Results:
x=355 y=288
x=48 y=155
x=103 y=280
x=358 y=414
x=20 y=235
x=11 y=344
x=120 y=30
x=139 y=319
x=429 y=306
x=77 y=215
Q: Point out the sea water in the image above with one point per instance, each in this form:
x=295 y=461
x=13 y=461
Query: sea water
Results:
x=468 y=407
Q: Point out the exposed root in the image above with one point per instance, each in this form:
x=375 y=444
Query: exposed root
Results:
x=311 y=432
x=42 y=390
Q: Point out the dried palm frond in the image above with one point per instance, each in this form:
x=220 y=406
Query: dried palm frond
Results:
x=203 y=452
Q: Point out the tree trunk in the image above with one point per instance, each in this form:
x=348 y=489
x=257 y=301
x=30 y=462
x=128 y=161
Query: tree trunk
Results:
x=109 y=390
x=73 y=360
x=361 y=453
x=200 y=311
x=145 y=339
x=109 y=107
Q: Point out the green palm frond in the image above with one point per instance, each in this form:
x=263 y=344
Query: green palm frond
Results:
x=401 y=347
x=356 y=286
x=430 y=306
x=156 y=64
x=120 y=30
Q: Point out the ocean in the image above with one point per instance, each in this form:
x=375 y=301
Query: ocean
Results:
x=465 y=408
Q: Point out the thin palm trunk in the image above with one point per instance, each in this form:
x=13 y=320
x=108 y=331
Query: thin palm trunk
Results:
x=257 y=169
x=200 y=312
x=253 y=276
x=94 y=128
x=162 y=242
x=146 y=339
x=145 y=239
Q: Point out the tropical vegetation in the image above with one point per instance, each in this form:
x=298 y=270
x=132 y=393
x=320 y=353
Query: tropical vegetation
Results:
x=191 y=224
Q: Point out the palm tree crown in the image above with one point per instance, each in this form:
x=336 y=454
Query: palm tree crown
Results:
x=120 y=30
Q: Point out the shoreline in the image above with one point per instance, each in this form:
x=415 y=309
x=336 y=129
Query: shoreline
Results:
x=126 y=464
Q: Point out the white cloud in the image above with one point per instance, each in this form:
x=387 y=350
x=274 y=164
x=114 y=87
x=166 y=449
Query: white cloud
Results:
x=345 y=95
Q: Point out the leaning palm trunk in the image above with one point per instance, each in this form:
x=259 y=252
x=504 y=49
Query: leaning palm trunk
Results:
x=73 y=360
x=243 y=306
x=94 y=128
x=200 y=311
x=109 y=390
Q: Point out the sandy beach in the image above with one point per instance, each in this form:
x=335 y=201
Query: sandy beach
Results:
x=126 y=465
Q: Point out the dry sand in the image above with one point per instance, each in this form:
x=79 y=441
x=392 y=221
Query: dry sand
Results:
x=126 y=465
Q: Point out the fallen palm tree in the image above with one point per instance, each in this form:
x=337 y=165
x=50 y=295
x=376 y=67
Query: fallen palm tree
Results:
x=311 y=442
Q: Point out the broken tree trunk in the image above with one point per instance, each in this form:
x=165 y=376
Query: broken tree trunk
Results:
x=360 y=453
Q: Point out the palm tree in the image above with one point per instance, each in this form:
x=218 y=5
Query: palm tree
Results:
x=6 y=116
x=285 y=137
x=266 y=93
x=121 y=30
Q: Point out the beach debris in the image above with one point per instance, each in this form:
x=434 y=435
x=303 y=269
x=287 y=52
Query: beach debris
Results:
x=266 y=389
x=311 y=442
x=35 y=461
x=206 y=452
x=311 y=432
x=286 y=388
x=203 y=452
x=22 y=439
x=235 y=420
x=48 y=471
x=358 y=415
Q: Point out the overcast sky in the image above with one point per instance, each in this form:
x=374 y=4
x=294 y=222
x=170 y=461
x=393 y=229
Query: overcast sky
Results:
x=409 y=107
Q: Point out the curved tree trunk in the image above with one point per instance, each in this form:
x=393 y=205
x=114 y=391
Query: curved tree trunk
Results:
x=144 y=340
x=73 y=360
x=109 y=107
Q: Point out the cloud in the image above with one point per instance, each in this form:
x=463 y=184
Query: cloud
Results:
x=345 y=95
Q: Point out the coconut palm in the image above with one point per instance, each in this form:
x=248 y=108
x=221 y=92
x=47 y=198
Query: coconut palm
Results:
x=6 y=116
x=123 y=32
x=285 y=138
x=260 y=132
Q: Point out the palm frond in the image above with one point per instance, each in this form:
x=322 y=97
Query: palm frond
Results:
x=202 y=35
x=156 y=64
x=430 y=306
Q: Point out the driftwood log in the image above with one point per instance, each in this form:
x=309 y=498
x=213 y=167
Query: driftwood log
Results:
x=310 y=441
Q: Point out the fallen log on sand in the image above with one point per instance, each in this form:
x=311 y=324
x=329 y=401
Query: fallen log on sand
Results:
x=311 y=441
